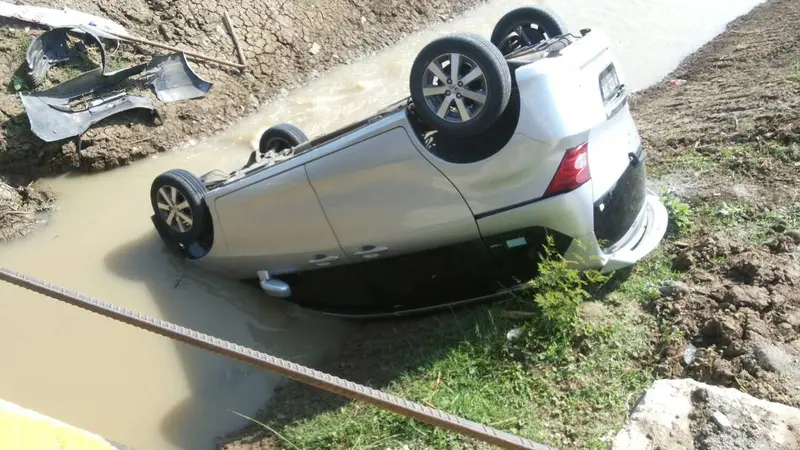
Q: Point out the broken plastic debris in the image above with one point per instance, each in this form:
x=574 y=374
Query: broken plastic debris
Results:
x=173 y=79
x=63 y=18
x=52 y=116
x=514 y=333
x=18 y=83
x=676 y=82
x=48 y=49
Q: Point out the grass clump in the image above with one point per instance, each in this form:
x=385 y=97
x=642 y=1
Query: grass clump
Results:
x=556 y=363
x=681 y=216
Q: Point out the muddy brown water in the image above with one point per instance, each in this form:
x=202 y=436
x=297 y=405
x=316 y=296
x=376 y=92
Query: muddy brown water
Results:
x=151 y=393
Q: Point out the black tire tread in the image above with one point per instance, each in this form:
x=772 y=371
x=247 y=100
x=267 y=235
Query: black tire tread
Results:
x=284 y=130
x=500 y=60
x=544 y=16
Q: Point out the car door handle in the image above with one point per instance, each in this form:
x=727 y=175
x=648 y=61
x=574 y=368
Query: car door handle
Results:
x=325 y=260
x=370 y=251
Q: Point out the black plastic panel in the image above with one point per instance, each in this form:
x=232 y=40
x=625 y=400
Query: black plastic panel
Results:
x=615 y=212
x=517 y=253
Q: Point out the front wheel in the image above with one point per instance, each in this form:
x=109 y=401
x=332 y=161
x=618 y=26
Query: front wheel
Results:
x=460 y=84
x=177 y=200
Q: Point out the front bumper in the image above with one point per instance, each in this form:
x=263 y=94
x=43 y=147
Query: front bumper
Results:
x=644 y=236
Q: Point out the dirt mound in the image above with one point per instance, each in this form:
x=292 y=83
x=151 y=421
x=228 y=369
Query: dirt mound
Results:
x=731 y=130
x=18 y=208
x=738 y=304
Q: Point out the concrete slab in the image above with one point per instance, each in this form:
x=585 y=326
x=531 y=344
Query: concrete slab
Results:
x=24 y=429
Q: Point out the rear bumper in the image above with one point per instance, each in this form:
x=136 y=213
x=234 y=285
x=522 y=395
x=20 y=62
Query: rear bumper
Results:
x=644 y=236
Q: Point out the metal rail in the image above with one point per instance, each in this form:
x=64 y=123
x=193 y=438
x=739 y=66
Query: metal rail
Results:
x=271 y=363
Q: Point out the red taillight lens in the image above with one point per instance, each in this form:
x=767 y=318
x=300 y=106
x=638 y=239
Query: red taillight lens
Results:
x=572 y=172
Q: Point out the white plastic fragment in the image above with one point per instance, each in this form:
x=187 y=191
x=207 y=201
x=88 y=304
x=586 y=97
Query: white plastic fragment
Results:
x=63 y=18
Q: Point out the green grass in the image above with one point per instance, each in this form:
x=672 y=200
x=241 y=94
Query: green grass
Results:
x=749 y=156
x=564 y=382
x=751 y=224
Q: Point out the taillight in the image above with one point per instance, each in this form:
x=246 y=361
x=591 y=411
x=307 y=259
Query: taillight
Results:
x=572 y=172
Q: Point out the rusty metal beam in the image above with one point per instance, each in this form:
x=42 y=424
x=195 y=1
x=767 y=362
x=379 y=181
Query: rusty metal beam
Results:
x=271 y=363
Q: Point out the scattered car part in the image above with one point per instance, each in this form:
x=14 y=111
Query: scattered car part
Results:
x=63 y=18
x=173 y=80
x=87 y=23
x=525 y=27
x=52 y=47
x=52 y=116
x=272 y=287
x=460 y=84
x=45 y=51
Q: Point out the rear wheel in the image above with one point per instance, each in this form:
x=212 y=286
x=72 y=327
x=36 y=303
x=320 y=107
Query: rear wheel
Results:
x=460 y=84
x=525 y=27
x=278 y=139
x=177 y=200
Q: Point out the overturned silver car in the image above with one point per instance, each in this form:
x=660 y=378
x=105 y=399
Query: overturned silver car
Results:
x=443 y=198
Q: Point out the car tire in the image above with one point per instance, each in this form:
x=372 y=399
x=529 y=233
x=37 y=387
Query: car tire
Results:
x=178 y=195
x=283 y=135
x=430 y=93
x=279 y=137
x=548 y=25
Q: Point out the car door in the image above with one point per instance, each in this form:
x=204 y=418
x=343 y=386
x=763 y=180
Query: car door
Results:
x=402 y=222
x=276 y=224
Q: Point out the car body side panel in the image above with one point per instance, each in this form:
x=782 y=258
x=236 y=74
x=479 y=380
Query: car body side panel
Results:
x=569 y=213
x=518 y=173
x=382 y=193
x=276 y=225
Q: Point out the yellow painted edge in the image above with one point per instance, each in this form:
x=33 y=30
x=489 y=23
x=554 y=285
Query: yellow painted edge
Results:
x=24 y=429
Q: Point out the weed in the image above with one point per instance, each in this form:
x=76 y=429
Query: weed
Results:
x=22 y=47
x=727 y=215
x=748 y=222
x=559 y=291
x=681 y=216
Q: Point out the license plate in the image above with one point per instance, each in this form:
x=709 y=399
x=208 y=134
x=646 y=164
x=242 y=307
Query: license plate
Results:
x=609 y=83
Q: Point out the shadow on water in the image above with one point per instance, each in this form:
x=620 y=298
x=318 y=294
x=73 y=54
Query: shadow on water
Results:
x=236 y=312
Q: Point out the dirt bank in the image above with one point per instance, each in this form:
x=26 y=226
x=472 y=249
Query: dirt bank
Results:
x=724 y=148
x=285 y=44
x=727 y=142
